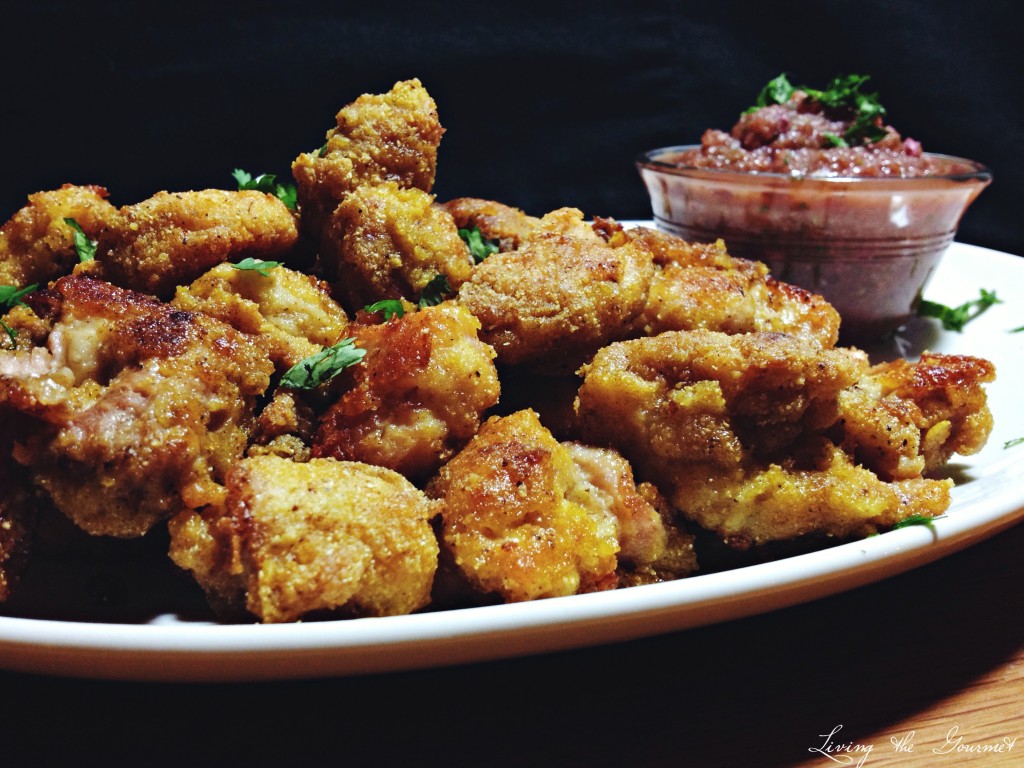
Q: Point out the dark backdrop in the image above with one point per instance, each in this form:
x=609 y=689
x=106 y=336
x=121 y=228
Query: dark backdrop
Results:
x=545 y=104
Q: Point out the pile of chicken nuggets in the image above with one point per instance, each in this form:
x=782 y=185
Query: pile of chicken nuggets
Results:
x=339 y=408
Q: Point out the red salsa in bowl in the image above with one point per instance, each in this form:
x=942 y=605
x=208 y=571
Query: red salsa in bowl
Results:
x=830 y=200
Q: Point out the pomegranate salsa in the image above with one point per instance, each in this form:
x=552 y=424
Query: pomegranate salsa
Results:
x=802 y=131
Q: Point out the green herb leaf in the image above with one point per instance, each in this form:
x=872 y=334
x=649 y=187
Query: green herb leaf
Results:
x=257 y=265
x=955 y=318
x=267 y=182
x=10 y=297
x=85 y=247
x=435 y=291
x=478 y=247
x=390 y=308
x=843 y=93
x=1018 y=329
x=924 y=520
x=776 y=91
x=320 y=368
x=1012 y=443
x=835 y=141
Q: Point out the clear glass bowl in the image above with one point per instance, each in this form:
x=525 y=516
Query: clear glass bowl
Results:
x=867 y=244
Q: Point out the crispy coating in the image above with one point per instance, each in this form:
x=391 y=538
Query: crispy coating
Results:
x=174 y=237
x=385 y=242
x=732 y=429
x=416 y=397
x=292 y=313
x=558 y=298
x=701 y=287
x=903 y=419
x=36 y=245
x=139 y=408
x=526 y=517
x=388 y=137
x=294 y=539
x=507 y=226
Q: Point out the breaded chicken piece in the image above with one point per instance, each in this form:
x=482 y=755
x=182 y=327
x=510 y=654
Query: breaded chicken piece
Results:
x=559 y=297
x=732 y=429
x=522 y=519
x=388 y=137
x=174 y=237
x=386 y=242
x=293 y=313
x=904 y=419
x=295 y=539
x=416 y=397
x=37 y=245
x=139 y=408
x=506 y=225
x=701 y=287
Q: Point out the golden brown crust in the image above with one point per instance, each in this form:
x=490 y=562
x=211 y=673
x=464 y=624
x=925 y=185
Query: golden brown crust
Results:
x=557 y=299
x=174 y=237
x=36 y=245
x=387 y=137
x=508 y=226
x=416 y=397
x=295 y=539
x=385 y=242
x=141 y=408
x=292 y=313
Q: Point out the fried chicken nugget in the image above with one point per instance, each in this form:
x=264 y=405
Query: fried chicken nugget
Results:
x=560 y=296
x=506 y=225
x=174 y=237
x=139 y=408
x=416 y=397
x=296 y=539
x=385 y=242
x=903 y=419
x=731 y=428
x=526 y=517
x=388 y=137
x=37 y=245
x=293 y=313
x=698 y=286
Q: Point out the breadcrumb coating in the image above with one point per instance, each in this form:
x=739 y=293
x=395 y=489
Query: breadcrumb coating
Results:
x=558 y=298
x=385 y=242
x=140 y=409
x=174 y=237
x=37 y=245
x=297 y=539
x=292 y=313
x=734 y=429
x=416 y=397
x=378 y=137
x=507 y=226
x=526 y=517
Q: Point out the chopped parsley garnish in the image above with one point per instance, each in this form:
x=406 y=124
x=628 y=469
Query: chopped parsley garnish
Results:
x=928 y=522
x=390 y=308
x=85 y=247
x=435 y=291
x=843 y=94
x=257 y=265
x=478 y=246
x=1012 y=443
x=320 y=368
x=267 y=182
x=955 y=318
x=11 y=297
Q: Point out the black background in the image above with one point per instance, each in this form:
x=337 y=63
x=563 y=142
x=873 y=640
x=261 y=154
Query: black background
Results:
x=545 y=104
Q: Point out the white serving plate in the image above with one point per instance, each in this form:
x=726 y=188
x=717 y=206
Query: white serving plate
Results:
x=989 y=497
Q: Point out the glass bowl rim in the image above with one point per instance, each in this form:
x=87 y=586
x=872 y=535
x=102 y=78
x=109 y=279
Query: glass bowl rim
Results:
x=647 y=161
